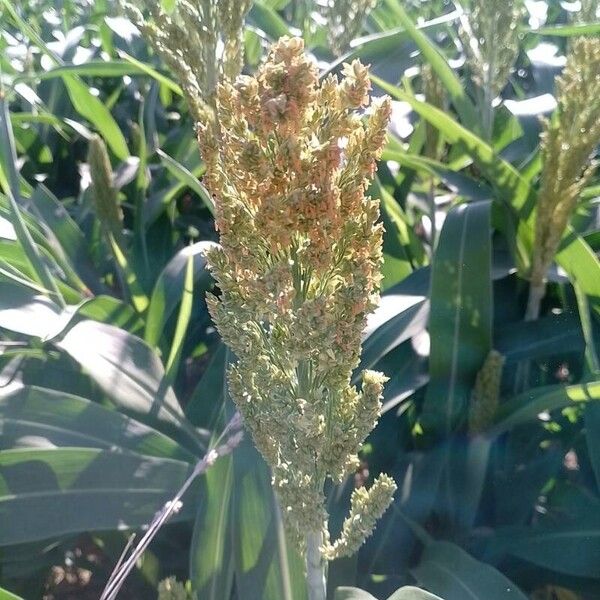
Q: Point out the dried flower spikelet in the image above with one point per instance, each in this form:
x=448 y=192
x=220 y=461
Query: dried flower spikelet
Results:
x=200 y=41
x=345 y=20
x=366 y=508
x=568 y=141
x=490 y=36
x=103 y=191
x=171 y=589
x=486 y=393
x=299 y=266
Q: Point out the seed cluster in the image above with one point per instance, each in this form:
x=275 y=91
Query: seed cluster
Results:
x=288 y=161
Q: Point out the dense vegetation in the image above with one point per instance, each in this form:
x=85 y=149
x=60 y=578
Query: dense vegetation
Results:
x=112 y=374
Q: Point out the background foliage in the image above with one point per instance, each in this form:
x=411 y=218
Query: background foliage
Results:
x=111 y=375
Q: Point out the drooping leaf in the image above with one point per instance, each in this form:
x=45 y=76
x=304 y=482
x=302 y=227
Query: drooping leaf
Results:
x=189 y=179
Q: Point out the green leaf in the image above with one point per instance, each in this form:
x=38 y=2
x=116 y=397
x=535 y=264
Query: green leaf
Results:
x=143 y=67
x=128 y=372
x=266 y=19
x=111 y=311
x=527 y=407
x=31 y=415
x=47 y=208
x=183 y=321
x=449 y=571
x=457 y=182
x=402 y=313
x=170 y=286
x=412 y=593
x=592 y=430
x=460 y=324
x=8 y=160
x=211 y=556
x=211 y=563
x=92 y=68
x=189 y=179
x=574 y=255
x=96 y=112
x=568 y=30
x=569 y=548
x=50 y=492
x=168 y=5
x=352 y=593
x=6 y=595
x=206 y=404
x=399 y=241
x=267 y=567
x=544 y=337
x=24 y=311
x=464 y=107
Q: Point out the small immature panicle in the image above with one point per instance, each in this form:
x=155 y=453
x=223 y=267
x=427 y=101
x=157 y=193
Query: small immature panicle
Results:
x=568 y=141
x=491 y=39
x=104 y=194
x=486 y=393
x=345 y=19
x=200 y=40
x=588 y=12
x=288 y=161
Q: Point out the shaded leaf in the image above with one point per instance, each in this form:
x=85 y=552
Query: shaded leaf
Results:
x=169 y=287
x=267 y=567
x=412 y=593
x=83 y=489
x=351 y=593
x=30 y=415
x=453 y=574
x=460 y=324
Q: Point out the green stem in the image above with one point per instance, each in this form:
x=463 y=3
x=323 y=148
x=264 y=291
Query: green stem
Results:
x=315 y=567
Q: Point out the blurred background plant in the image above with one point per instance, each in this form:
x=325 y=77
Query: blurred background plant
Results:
x=111 y=372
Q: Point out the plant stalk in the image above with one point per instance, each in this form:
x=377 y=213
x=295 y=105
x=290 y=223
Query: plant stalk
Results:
x=537 y=291
x=315 y=567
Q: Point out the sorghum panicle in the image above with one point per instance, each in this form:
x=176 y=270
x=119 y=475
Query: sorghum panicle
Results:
x=568 y=141
x=288 y=161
